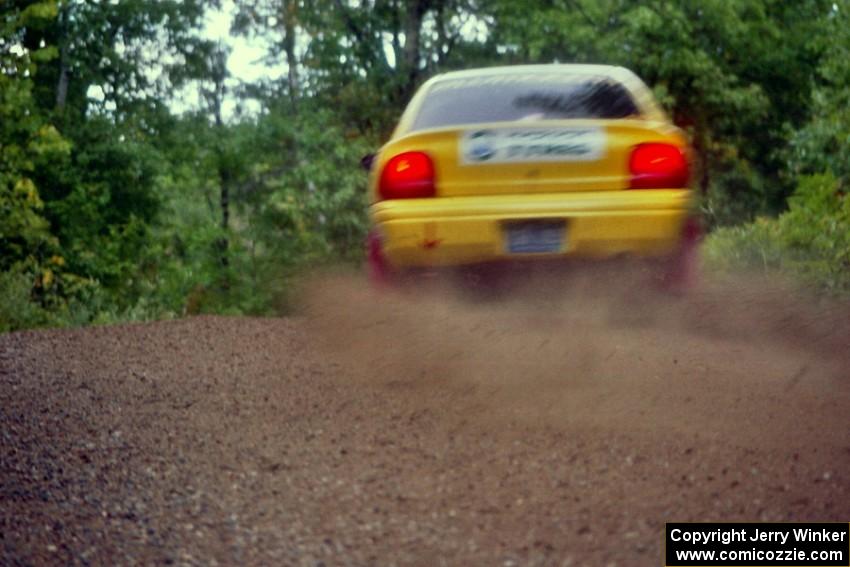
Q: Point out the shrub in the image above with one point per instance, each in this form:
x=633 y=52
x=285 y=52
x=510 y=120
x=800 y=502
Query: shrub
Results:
x=810 y=241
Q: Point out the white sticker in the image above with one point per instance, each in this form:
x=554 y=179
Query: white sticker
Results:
x=520 y=145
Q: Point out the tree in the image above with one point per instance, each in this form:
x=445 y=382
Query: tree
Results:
x=33 y=277
x=735 y=74
x=24 y=139
x=823 y=144
x=363 y=58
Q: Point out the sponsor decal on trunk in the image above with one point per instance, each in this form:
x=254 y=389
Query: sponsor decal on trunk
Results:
x=519 y=145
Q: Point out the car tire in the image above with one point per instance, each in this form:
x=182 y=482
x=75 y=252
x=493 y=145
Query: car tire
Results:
x=681 y=273
x=379 y=271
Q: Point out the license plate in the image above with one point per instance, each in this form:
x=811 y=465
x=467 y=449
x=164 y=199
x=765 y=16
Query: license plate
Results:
x=537 y=237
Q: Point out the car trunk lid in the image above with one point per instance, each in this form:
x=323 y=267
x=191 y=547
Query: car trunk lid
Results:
x=552 y=156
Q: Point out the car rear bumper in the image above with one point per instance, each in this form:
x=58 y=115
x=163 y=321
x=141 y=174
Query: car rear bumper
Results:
x=465 y=230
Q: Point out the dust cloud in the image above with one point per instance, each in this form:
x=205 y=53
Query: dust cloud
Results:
x=746 y=361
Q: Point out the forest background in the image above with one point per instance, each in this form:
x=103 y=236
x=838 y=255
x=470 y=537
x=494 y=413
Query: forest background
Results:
x=117 y=202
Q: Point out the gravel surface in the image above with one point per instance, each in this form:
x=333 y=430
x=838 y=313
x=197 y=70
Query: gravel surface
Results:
x=423 y=429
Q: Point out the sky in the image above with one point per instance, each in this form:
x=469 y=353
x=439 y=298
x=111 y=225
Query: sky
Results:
x=244 y=63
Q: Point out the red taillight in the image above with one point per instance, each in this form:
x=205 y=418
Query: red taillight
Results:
x=658 y=166
x=408 y=175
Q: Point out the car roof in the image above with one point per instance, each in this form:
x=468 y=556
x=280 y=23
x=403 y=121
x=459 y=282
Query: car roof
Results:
x=620 y=74
x=640 y=92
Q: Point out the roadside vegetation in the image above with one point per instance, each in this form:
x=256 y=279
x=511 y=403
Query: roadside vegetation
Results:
x=118 y=202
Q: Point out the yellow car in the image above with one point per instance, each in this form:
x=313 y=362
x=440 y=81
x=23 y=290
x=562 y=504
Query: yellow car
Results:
x=530 y=162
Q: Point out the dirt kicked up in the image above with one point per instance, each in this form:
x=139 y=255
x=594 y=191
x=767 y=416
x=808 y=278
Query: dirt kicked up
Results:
x=561 y=424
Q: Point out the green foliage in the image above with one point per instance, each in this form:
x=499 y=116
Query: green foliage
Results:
x=24 y=138
x=34 y=283
x=78 y=209
x=296 y=199
x=735 y=74
x=114 y=208
x=811 y=241
x=824 y=143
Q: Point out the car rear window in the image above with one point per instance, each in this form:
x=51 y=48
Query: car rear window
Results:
x=506 y=98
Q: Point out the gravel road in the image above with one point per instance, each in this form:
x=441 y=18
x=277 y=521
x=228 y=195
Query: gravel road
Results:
x=555 y=427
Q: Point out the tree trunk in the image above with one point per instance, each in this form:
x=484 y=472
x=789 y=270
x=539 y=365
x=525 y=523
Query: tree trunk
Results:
x=64 y=73
x=412 y=35
x=224 y=174
x=442 y=40
x=224 y=201
x=290 y=18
